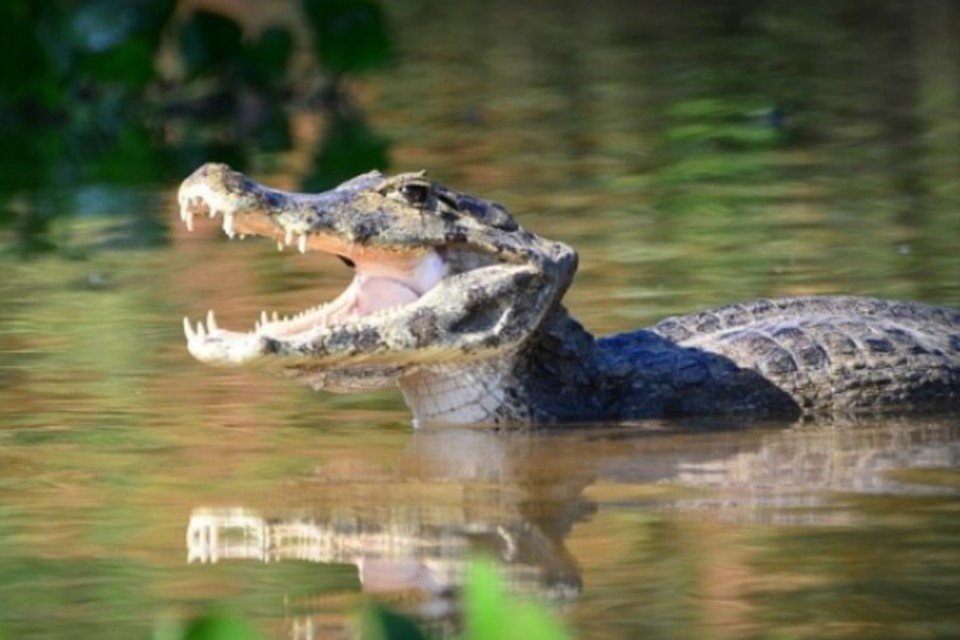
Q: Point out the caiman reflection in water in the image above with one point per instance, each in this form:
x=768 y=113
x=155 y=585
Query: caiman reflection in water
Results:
x=517 y=497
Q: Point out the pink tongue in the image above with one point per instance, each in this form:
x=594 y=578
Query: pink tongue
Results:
x=378 y=293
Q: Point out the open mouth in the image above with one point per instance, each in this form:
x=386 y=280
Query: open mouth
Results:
x=384 y=279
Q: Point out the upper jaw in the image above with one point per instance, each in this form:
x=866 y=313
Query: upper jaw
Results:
x=248 y=208
x=353 y=216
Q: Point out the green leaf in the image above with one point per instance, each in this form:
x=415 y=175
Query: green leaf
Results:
x=129 y=64
x=25 y=68
x=485 y=603
x=350 y=35
x=491 y=615
x=349 y=147
x=208 y=42
x=265 y=60
x=114 y=41
x=379 y=623
x=534 y=623
x=219 y=626
x=100 y=25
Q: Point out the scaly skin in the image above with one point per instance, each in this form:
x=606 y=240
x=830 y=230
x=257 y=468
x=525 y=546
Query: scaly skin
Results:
x=460 y=306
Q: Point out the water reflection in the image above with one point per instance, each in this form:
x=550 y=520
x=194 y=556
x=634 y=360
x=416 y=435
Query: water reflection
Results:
x=518 y=497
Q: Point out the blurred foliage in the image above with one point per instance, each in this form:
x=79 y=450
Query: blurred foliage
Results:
x=380 y=623
x=217 y=625
x=79 y=66
x=265 y=60
x=52 y=53
x=81 y=94
x=83 y=99
x=209 y=43
x=30 y=233
x=350 y=35
x=349 y=147
x=491 y=614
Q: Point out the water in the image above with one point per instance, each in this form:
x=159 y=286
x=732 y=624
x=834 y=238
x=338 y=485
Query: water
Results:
x=694 y=156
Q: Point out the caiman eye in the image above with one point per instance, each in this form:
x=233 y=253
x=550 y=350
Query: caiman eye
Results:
x=416 y=194
x=347 y=261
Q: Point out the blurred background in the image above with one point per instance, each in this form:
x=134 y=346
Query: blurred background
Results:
x=695 y=152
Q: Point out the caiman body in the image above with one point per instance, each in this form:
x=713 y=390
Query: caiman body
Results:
x=461 y=307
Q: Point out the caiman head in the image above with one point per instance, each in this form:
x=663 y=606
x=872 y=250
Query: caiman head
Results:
x=440 y=277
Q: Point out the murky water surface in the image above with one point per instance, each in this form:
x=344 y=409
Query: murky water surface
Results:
x=694 y=157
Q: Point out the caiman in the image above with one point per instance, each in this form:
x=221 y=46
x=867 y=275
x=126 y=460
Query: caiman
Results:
x=460 y=306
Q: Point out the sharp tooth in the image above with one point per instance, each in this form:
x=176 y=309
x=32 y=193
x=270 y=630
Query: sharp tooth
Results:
x=186 y=215
x=288 y=238
x=228 y=225
x=211 y=322
x=243 y=236
x=263 y=317
x=276 y=316
x=279 y=246
x=212 y=212
x=302 y=244
x=187 y=329
x=201 y=331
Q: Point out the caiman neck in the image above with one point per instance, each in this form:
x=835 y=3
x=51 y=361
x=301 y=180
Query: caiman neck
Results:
x=553 y=377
